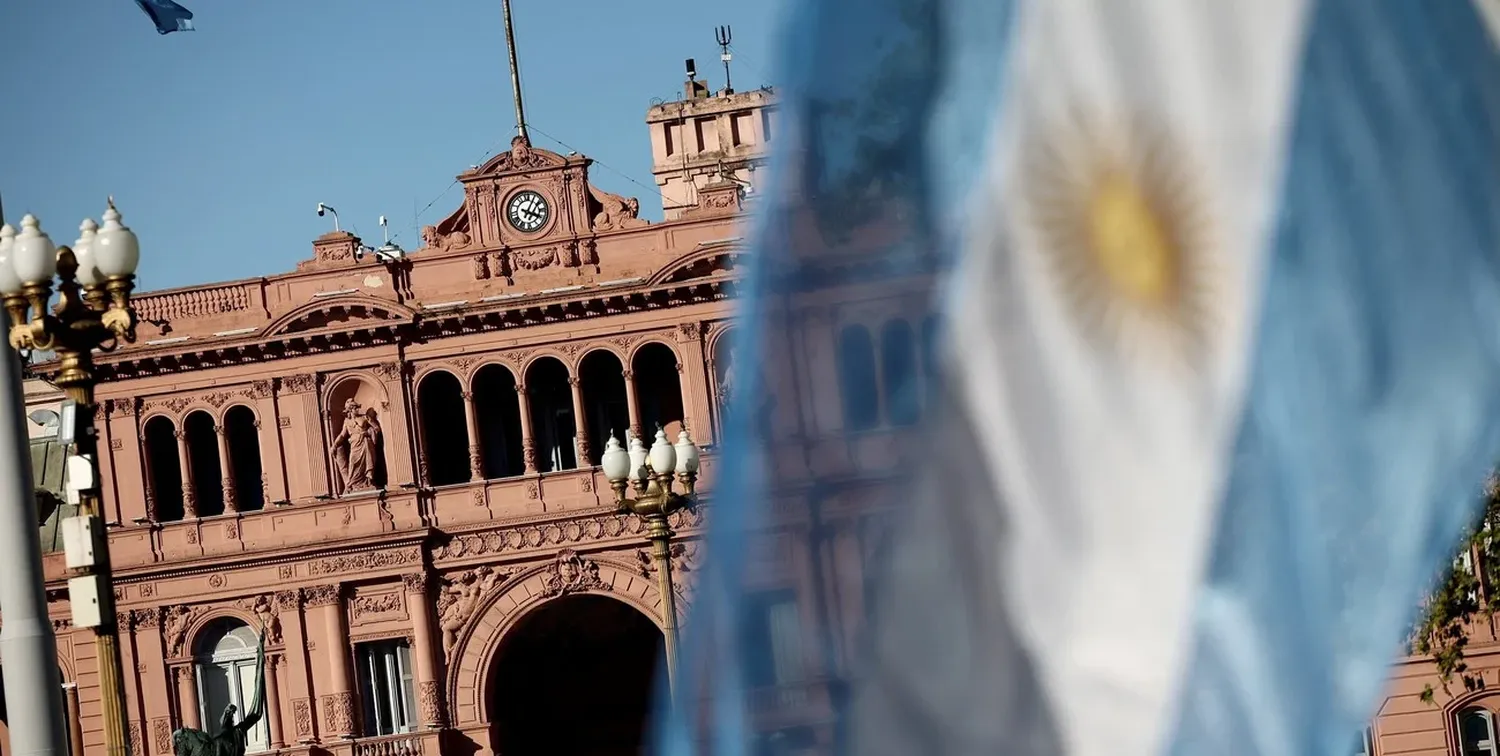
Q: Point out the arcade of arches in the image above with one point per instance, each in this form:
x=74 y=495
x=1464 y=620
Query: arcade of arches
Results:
x=470 y=428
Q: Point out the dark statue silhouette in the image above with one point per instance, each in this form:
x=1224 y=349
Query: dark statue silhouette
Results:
x=231 y=738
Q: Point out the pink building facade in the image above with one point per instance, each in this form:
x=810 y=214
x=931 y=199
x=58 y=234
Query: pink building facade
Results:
x=392 y=466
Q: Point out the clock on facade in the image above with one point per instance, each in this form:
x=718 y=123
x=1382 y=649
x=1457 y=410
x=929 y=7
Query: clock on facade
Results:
x=527 y=211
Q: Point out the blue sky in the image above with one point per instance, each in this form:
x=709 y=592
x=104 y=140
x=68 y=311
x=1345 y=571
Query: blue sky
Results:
x=218 y=143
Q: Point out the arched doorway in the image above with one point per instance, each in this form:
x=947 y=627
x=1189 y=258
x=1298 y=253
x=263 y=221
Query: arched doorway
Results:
x=575 y=677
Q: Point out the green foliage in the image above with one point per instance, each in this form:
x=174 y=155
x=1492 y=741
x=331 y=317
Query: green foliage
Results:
x=1460 y=598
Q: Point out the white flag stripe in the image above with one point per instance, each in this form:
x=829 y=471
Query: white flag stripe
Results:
x=1106 y=425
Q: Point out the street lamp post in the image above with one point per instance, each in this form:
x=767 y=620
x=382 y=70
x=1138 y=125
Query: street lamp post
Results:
x=650 y=473
x=94 y=281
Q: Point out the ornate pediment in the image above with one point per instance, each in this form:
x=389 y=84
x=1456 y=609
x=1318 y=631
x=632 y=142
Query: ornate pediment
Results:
x=521 y=157
x=342 y=313
x=705 y=262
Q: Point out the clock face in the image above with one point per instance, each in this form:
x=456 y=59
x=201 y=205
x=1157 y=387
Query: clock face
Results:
x=527 y=211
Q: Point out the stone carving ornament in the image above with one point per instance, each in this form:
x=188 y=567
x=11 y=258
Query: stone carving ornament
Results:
x=432 y=239
x=338 y=713
x=571 y=573
x=615 y=212
x=460 y=597
x=265 y=610
x=356 y=450
x=176 y=620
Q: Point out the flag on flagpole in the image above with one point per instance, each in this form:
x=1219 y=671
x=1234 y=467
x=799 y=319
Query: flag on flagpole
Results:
x=168 y=16
x=1211 y=290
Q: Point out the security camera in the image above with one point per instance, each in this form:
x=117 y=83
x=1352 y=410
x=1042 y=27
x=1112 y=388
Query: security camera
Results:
x=322 y=209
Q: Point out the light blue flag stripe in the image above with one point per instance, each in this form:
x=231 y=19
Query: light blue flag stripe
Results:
x=1374 y=410
x=881 y=100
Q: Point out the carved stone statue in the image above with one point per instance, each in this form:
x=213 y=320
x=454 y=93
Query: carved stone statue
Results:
x=232 y=737
x=356 y=450
x=615 y=211
x=265 y=611
x=460 y=598
x=432 y=239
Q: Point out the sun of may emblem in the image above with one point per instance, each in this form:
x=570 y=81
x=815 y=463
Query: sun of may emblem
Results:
x=1123 y=228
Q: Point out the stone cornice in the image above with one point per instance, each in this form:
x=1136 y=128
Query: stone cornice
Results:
x=475 y=317
x=287 y=555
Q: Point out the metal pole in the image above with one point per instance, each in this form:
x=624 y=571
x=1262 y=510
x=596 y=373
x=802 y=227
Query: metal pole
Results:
x=515 y=75
x=28 y=652
x=660 y=534
x=76 y=379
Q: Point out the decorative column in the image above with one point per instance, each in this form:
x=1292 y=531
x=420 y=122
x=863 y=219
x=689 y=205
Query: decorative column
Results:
x=424 y=473
x=476 y=455
x=268 y=433
x=189 y=498
x=630 y=404
x=226 y=469
x=273 y=701
x=696 y=370
x=338 y=704
x=580 y=422
x=298 y=686
x=528 y=442
x=146 y=475
x=424 y=652
x=187 y=697
x=74 y=714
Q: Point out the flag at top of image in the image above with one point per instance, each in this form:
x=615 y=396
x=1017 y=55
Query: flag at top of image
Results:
x=1214 y=380
x=168 y=16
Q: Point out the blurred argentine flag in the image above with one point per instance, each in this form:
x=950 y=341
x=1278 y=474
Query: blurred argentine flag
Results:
x=1124 y=370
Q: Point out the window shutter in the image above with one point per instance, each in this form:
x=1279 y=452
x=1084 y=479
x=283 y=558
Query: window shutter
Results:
x=408 y=718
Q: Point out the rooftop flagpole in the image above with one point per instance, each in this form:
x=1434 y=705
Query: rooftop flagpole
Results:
x=515 y=75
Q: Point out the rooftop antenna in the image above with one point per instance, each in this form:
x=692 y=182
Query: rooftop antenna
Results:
x=723 y=35
x=387 y=252
x=515 y=75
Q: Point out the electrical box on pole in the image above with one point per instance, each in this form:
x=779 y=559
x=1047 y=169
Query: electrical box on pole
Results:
x=84 y=596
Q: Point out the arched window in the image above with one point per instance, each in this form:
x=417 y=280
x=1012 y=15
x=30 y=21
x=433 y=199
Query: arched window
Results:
x=445 y=428
x=898 y=366
x=164 y=469
x=498 y=408
x=203 y=461
x=552 y=422
x=658 y=389
x=604 y=402
x=857 y=379
x=224 y=657
x=1476 y=732
x=243 y=440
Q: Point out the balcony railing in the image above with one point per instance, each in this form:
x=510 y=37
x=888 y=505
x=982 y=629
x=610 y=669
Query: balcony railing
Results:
x=390 y=745
x=202 y=302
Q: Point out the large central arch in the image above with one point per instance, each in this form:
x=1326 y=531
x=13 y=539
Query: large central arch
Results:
x=575 y=677
x=478 y=646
